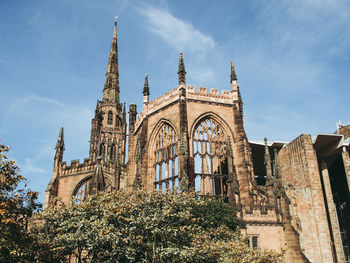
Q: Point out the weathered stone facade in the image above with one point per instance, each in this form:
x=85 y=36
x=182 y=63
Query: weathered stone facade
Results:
x=292 y=196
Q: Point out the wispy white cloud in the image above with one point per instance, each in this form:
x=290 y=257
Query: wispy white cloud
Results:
x=33 y=99
x=179 y=34
x=31 y=127
x=286 y=65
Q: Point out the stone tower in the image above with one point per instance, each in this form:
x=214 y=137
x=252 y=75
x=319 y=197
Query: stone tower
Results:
x=105 y=167
x=108 y=128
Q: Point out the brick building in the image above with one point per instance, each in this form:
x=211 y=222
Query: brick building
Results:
x=292 y=195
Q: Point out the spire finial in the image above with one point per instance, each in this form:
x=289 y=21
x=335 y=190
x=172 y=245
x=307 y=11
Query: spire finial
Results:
x=181 y=72
x=233 y=72
x=145 y=86
x=60 y=141
x=115 y=20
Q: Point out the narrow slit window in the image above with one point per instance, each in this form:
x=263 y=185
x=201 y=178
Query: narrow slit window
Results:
x=110 y=118
x=255 y=242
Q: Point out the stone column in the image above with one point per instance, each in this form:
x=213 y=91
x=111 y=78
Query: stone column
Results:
x=332 y=212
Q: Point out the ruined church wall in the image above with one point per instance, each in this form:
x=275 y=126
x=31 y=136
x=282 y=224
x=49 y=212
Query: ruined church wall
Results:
x=300 y=175
x=269 y=236
x=169 y=113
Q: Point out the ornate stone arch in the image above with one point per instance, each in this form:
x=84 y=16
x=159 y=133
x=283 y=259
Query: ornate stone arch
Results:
x=215 y=116
x=163 y=148
x=80 y=191
x=210 y=147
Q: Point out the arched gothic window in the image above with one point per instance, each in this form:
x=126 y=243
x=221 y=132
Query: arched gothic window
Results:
x=110 y=118
x=81 y=191
x=113 y=152
x=166 y=158
x=209 y=151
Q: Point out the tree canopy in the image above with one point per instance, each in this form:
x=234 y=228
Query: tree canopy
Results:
x=16 y=208
x=123 y=226
x=140 y=226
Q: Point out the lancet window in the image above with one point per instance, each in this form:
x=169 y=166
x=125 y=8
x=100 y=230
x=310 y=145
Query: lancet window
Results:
x=113 y=152
x=210 y=152
x=166 y=158
x=102 y=150
x=110 y=118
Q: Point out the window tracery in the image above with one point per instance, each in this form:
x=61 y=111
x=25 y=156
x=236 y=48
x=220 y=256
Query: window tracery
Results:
x=210 y=151
x=81 y=192
x=166 y=158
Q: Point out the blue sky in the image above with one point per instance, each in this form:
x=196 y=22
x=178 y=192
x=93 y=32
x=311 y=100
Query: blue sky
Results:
x=292 y=60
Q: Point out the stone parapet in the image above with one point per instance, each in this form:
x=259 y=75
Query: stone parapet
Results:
x=202 y=94
x=88 y=165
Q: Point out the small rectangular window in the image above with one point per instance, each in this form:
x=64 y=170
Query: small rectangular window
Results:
x=255 y=242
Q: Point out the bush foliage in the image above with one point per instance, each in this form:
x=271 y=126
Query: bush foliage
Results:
x=16 y=209
x=147 y=227
x=119 y=227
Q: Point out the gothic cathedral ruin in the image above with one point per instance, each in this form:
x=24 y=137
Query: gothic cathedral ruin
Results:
x=292 y=196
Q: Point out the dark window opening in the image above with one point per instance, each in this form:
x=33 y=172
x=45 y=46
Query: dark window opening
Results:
x=102 y=150
x=110 y=118
x=341 y=198
x=255 y=242
x=113 y=151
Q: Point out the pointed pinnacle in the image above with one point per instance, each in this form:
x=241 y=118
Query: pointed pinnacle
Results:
x=61 y=135
x=267 y=153
x=115 y=28
x=181 y=72
x=146 y=87
x=233 y=72
x=60 y=141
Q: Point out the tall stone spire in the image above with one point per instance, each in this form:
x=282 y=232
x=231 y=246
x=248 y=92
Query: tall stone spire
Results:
x=181 y=72
x=111 y=87
x=233 y=73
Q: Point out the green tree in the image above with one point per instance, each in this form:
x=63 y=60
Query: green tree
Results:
x=140 y=226
x=16 y=209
